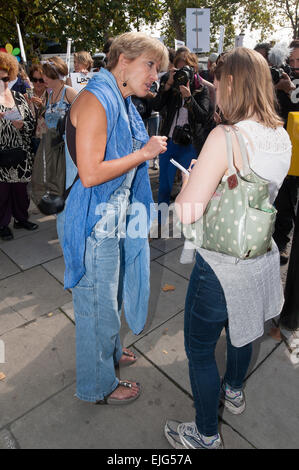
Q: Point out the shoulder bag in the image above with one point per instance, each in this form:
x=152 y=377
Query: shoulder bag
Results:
x=239 y=219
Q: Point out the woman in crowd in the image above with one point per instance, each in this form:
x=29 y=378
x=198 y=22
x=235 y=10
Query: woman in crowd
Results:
x=226 y=292
x=16 y=129
x=83 y=63
x=37 y=100
x=185 y=106
x=61 y=96
x=104 y=265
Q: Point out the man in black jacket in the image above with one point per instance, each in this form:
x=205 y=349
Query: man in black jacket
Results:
x=287 y=197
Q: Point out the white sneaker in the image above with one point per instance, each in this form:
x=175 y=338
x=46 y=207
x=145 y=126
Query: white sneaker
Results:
x=233 y=400
x=171 y=434
x=192 y=439
x=186 y=436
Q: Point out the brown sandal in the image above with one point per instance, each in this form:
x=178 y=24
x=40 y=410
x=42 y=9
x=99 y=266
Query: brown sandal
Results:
x=116 y=401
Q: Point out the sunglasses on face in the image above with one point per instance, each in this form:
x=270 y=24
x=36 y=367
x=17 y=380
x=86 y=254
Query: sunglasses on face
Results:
x=35 y=80
x=5 y=79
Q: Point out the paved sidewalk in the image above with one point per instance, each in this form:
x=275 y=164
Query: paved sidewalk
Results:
x=37 y=403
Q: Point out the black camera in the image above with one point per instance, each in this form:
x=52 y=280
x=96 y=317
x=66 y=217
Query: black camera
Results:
x=182 y=135
x=277 y=72
x=183 y=76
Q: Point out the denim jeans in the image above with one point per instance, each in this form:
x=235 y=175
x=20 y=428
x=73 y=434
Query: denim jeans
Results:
x=205 y=317
x=97 y=301
x=180 y=153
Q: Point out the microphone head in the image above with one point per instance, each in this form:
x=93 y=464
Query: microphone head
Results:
x=279 y=53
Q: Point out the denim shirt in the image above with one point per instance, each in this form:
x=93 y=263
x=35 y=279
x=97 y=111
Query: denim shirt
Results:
x=123 y=124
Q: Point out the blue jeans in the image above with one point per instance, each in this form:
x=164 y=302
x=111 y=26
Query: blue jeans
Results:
x=98 y=299
x=205 y=317
x=183 y=155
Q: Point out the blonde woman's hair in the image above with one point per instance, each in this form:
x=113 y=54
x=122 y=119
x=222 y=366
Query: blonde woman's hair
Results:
x=55 y=68
x=84 y=58
x=132 y=45
x=246 y=88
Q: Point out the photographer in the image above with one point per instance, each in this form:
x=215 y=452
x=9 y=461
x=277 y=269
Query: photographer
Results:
x=283 y=61
x=187 y=117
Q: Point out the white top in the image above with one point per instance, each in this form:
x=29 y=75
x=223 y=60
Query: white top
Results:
x=269 y=153
x=180 y=118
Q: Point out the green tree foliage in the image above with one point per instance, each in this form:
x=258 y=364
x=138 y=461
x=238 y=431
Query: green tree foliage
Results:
x=90 y=22
x=234 y=15
x=87 y=22
x=287 y=14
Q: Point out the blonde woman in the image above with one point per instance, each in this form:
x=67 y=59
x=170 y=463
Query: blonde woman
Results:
x=82 y=64
x=226 y=292
x=104 y=265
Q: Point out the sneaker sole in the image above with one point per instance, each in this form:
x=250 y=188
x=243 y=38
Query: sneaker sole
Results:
x=173 y=437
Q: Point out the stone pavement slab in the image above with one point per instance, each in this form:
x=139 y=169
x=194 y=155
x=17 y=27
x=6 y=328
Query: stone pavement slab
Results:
x=167 y=244
x=33 y=293
x=34 y=249
x=40 y=361
x=7 y=267
x=56 y=268
x=65 y=422
x=9 y=319
x=171 y=260
x=162 y=305
x=271 y=418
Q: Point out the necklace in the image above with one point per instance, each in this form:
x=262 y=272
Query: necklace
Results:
x=56 y=99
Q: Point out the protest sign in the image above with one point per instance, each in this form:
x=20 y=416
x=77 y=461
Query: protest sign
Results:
x=178 y=44
x=80 y=80
x=198 y=29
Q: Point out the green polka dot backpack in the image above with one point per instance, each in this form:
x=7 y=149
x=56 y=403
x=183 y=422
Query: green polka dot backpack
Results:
x=239 y=219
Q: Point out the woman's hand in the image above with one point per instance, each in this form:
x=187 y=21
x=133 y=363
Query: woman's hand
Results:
x=1 y=115
x=185 y=177
x=18 y=124
x=156 y=145
x=36 y=100
x=185 y=90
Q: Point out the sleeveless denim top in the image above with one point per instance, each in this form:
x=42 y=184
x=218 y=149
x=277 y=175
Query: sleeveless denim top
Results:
x=81 y=215
x=57 y=110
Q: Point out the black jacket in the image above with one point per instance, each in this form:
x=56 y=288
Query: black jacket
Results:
x=285 y=105
x=200 y=111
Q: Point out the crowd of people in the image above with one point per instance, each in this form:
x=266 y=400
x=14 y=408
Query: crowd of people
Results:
x=149 y=103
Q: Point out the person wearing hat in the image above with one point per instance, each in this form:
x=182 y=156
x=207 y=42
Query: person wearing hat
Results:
x=209 y=74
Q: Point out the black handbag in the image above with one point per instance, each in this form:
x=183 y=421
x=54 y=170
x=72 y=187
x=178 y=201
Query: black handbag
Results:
x=11 y=158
